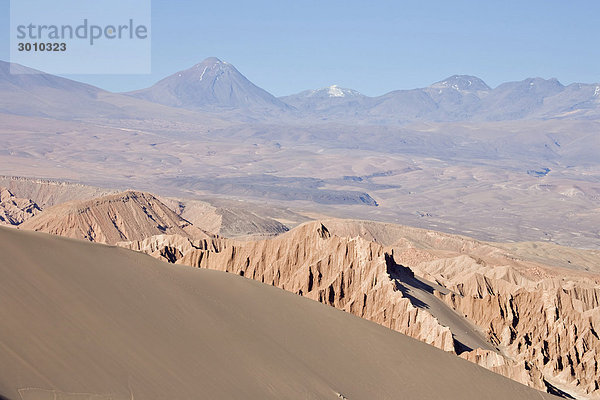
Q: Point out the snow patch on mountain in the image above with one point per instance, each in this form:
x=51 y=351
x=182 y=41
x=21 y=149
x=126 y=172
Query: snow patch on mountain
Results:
x=335 y=91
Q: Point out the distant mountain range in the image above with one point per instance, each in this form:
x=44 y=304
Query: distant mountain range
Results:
x=458 y=98
x=215 y=86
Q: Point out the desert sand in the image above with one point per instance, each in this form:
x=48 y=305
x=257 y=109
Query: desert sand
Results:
x=89 y=321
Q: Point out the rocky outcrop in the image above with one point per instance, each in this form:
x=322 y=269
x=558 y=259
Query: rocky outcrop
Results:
x=14 y=210
x=114 y=218
x=551 y=325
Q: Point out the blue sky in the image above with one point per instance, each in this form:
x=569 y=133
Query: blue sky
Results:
x=374 y=47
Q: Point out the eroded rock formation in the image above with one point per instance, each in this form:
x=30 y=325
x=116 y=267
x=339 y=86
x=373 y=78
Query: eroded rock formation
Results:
x=15 y=210
x=541 y=308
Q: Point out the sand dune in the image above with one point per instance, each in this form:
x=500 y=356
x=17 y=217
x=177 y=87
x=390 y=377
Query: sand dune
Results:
x=88 y=321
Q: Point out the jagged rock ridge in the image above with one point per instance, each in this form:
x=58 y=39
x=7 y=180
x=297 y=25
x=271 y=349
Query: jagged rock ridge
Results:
x=542 y=316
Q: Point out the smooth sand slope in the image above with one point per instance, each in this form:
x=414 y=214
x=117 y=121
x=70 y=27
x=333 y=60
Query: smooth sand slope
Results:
x=88 y=321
